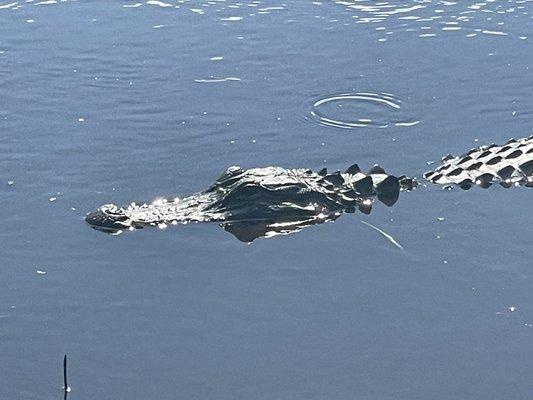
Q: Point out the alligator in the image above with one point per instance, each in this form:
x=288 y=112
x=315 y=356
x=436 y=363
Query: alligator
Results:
x=264 y=202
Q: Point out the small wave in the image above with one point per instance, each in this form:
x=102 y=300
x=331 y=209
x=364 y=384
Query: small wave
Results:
x=405 y=15
x=216 y=79
x=231 y=19
x=9 y=5
x=359 y=110
x=158 y=3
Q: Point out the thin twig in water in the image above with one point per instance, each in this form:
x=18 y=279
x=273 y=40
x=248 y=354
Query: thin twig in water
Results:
x=65 y=387
x=385 y=234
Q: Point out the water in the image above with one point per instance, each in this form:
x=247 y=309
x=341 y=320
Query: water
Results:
x=130 y=101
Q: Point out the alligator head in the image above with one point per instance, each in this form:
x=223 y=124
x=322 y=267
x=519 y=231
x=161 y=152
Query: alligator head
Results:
x=263 y=201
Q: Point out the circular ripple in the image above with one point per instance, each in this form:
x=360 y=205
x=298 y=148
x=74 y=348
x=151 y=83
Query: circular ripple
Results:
x=359 y=110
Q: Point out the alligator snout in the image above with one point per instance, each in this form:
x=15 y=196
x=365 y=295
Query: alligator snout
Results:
x=108 y=219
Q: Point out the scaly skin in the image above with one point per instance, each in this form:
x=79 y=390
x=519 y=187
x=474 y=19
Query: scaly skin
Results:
x=262 y=194
x=509 y=164
x=273 y=200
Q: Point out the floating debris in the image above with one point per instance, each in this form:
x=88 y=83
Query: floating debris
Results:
x=66 y=387
x=385 y=234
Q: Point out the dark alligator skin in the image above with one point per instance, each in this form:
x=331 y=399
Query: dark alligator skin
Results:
x=264 y=202
x=509 y=165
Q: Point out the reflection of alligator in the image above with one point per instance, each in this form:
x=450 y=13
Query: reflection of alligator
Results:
x=271 y=201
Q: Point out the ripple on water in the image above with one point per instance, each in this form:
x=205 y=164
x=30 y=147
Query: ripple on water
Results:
x=218 y=79
x=359 y=110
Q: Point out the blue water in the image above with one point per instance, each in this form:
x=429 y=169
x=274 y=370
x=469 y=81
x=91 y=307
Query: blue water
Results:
x=113 y=101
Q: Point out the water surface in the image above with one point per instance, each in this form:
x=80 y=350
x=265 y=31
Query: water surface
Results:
x=130 y=101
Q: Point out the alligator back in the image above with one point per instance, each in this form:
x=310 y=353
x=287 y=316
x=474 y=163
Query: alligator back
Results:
x=509 y=165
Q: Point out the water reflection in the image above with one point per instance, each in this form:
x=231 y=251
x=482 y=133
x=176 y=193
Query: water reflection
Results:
x=424 y=18
x=434 y=18
x=248 y=231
